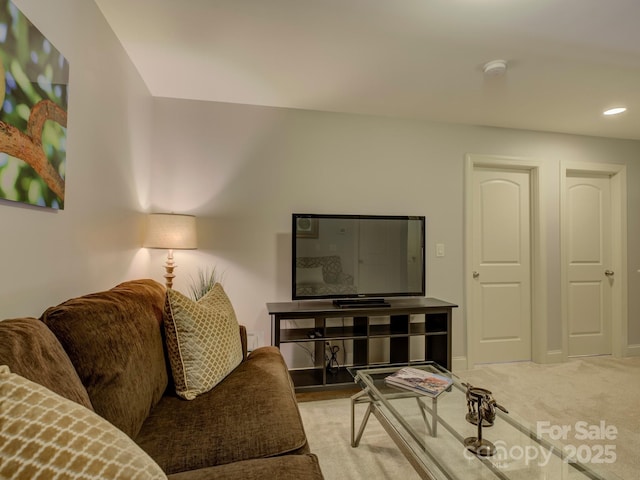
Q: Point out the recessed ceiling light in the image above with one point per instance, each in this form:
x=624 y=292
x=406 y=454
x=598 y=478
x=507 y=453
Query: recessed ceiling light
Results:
x=615 y=111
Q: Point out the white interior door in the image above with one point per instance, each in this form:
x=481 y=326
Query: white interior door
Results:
x=501 y=251
x=589 y=271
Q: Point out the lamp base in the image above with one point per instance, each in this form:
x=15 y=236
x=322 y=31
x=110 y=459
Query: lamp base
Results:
x=169 y=266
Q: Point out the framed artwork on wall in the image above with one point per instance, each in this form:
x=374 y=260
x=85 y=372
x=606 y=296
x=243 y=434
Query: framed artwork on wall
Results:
x=307 y=227
x=33 y=113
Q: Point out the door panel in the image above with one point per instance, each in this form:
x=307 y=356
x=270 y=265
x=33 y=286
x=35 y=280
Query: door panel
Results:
x=586 y=299
x=500 y=209
x=502 y=265
x=588 y=223
x=501 y=304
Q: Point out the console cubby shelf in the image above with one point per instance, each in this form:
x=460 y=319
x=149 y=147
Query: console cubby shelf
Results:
x=408 y=330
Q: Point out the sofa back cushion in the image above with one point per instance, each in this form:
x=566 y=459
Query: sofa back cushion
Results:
x=30 y=349
x=114 y=340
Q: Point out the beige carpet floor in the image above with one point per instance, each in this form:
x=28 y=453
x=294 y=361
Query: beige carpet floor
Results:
x=588 y=390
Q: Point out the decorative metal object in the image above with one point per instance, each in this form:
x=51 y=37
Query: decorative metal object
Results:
x=472 y=412
x=481 y=408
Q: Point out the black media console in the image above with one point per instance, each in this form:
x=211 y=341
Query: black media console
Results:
x=401 y=332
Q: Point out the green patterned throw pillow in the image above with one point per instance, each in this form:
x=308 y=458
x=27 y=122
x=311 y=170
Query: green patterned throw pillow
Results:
x=203 y=340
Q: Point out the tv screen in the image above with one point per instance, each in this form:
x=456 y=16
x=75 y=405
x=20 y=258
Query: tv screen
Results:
x=357 y=256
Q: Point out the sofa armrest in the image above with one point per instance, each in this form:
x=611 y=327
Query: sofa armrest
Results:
x=243 y=340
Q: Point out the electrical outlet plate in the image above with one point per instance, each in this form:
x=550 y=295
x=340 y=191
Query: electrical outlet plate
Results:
x=254 y=340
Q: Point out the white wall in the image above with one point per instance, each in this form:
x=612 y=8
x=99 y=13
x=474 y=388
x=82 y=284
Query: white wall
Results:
x=49 y=256
x=243 y=170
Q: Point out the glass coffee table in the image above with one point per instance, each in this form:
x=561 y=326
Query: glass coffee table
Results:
x=440 y=441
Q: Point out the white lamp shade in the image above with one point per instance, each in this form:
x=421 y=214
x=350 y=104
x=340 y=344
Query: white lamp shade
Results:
x=166 y=230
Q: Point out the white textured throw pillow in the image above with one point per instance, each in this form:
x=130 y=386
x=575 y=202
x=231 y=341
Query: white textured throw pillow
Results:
x=203 y=340
x=45 y=436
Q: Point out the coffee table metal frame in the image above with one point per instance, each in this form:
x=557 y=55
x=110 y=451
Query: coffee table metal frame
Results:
x=365 y=397
x=373 y=398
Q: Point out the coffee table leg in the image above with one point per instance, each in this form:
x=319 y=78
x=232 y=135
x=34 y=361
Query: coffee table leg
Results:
x=361 y=397
x=434 y=417
x=433 y=412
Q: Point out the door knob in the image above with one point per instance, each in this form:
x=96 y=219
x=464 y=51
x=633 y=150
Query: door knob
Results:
x=608 y=273
x=476 y=274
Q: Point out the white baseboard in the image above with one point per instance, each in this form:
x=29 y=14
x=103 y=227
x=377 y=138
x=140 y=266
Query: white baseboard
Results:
x=459 y=363
x=554 y=356
x=633 y=351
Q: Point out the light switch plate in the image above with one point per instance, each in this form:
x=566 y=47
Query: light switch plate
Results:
x=440 y=250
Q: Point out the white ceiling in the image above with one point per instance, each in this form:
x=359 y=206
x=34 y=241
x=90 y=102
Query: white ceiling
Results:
x=568 y=60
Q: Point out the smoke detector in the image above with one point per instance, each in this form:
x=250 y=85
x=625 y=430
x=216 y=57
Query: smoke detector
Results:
x=495 y=68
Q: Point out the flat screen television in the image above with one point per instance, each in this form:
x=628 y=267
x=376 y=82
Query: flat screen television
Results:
x=357 y=259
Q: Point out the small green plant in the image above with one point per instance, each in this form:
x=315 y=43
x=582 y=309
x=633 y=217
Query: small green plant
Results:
x=204 y=282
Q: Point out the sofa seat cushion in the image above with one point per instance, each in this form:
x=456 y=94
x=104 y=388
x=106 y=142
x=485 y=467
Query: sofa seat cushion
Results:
x=252 y=413
x=114 y=340
x=287 y=467
x=31 y=350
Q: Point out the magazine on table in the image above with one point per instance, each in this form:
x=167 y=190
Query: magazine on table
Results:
x=421 y=381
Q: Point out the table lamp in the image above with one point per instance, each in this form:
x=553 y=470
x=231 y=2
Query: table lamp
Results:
x=172 y=232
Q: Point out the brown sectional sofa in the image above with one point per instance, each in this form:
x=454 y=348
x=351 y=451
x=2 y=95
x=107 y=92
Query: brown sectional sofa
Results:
x=106 y=351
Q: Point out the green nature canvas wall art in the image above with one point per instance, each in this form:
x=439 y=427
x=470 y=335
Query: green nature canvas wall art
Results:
x=33 y=113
